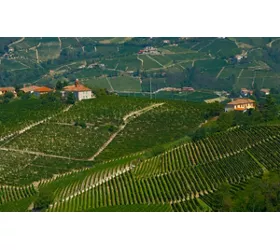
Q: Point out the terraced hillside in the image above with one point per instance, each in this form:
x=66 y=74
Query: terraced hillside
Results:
x=184 y=178
x=63 y=138
x=181 y=177
x=115 y=64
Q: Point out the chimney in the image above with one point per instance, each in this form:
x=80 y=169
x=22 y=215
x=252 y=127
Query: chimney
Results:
x=24 y=85
x=76 y=82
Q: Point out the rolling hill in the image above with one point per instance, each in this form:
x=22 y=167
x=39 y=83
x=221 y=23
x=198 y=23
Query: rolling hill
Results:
x=168 y=152
x=115 y=63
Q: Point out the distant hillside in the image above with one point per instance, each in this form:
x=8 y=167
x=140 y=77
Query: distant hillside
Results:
x=142 y=64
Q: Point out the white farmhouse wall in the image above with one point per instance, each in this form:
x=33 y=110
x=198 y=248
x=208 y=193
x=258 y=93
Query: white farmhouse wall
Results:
x=84 y=95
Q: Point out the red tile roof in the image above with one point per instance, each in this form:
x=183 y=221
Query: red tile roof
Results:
x=77 y=87
x=241 y=101
x=42 y=89
x=29 y=88
x=11 y=89
x=265 y=90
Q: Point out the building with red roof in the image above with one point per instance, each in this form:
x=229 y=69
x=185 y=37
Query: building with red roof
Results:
x=29 y=89
x=42 y=90
x=80 y=91
x=4 y=90
x=240 y=104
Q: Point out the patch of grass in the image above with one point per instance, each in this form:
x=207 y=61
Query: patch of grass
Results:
x=125 y=83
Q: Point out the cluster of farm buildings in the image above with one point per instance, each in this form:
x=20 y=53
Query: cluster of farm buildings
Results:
x=183 y=89
x=244 y=103
x=240 y=104
x=80 y=91
x=149 y=50
x=246 y=92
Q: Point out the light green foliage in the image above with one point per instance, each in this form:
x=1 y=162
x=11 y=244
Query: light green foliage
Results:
x=18 y=114
x=167 y=123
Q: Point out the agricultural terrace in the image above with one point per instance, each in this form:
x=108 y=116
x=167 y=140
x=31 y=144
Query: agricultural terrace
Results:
x=184 y=177
x=81 y=131
x=181 y=179
x=19 y=114
x=167 y=123
x=20 y=168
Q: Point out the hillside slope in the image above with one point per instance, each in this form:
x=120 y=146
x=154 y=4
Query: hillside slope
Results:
x=114 y=63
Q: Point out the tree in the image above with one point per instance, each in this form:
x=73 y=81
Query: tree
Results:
x=270 y=109
x=225 y=121
x=222 y=199
x=234 y=93
x=99 y=92
x=214 y=109
x=60 y=84
x=17 y=88
x=9 y=95
x=44 y=199
x=274 y=91
x=257 y=90
x=70 y=98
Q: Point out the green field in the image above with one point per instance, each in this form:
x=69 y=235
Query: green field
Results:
x=125 y=83
x=18 y=114
x=178 y=176
x=156 y=127
x=11 y=65
x=149 y=63
x=134 y=149
x=97 y=83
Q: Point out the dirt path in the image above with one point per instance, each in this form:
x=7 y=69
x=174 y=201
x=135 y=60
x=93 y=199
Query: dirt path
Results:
x=35 y=48
x=181 y=66
x=155 y=60
x=207 y=44
x=240 y=73
x=40 y=154
x=126 y=120
x=255 y=159
x=194 y=45
x=60 y=43
x=110 y=83
x=270 y=44
x=28 y=67
x=220 y=72
x=37 y=56
x=100 y=182
x=15 y=42
x=19 y=132
x=253 y=82
x=142 y=62
x=201 y=124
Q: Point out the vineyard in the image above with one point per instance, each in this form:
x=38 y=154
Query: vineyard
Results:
x=168 y=123
x=19 y=114
x=101 y=155
x=184 y=178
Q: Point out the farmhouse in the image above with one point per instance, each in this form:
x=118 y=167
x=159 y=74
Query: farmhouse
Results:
x=29 y=89
x=188 y=89
x=4 y=90
x=265 y=91
x=42 y=90
x=149 y=50
x=79 y=90
x=240 y=104
x=246 y=92
x=238 y=57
